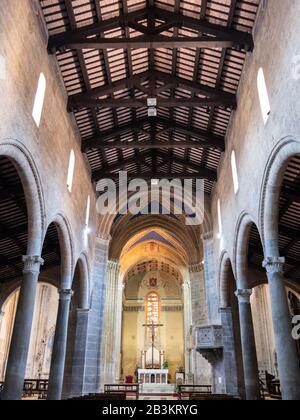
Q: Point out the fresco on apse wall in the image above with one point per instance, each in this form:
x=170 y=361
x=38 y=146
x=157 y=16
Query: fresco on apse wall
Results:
x=152 y=296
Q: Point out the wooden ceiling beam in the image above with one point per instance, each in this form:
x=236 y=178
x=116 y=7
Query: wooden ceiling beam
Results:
x=91 y=98
x=161 y=102
x=148 y=41
x=147 y=176
x=219 y=36
x=205 y=139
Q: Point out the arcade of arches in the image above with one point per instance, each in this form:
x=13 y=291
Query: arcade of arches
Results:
x=169 y=89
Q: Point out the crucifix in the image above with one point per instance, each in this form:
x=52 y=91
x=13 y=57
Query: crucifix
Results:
x=152 y=326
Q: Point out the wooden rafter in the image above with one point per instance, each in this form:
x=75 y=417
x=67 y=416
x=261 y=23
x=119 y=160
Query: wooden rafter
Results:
x=84 y=38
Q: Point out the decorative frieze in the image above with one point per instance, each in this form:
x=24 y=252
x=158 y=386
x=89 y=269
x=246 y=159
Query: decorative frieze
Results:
x=196 y=268
x=134 y=309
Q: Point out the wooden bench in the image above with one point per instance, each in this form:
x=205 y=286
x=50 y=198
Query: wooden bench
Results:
x=184 y=391
x=127 y=389
x=101 y=397
x=212 y=397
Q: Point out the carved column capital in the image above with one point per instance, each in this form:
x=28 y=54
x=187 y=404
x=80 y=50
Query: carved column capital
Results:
x=196 y=268
x=207 y=236
x=113 y=268
x=243 y=295
x=274 y=264
x=32 y=264
x=65 y=294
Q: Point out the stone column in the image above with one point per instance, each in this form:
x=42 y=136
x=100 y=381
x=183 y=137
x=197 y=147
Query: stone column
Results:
x=210 y=276
x=229 y=355
x=17 y=359
x=76 y=360
x=110 y=329
x=56 y=376
x=248 y=345
x=288 y=364
x=187 y=314
x=118 y=327
x=93 y=372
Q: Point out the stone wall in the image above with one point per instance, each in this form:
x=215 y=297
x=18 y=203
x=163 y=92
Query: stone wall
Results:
x=23 y=51
x=276 y=52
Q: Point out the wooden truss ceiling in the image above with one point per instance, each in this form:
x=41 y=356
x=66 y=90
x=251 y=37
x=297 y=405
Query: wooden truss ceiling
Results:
x=115 y=55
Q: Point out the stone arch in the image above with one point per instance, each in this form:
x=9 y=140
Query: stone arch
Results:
x=23 y=161
x=277 y=163
x=241 y=247
x=224 y=272
x=14 y=285
x=107 y=221
x=67 y=249
x=84 y=273
x=293 y=290
x=188 y=240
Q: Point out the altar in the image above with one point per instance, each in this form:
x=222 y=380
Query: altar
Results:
x=153 y=376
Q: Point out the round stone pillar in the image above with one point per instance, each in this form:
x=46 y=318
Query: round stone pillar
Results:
x=111 y=339
x=187 y=315
x=18 y=352
x=248 y=345
x=56 y=376
x=288 y=364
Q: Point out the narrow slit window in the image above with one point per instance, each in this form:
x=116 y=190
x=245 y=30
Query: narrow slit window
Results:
x=235 y=176
x=263 y=95
x=71 y=171
x=220 y=219
x=39 y=100
x=88 y=209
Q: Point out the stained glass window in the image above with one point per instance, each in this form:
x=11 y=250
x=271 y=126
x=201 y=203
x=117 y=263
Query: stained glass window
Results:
x=152 y=312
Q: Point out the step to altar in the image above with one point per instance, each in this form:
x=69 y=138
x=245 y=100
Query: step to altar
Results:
x=157 y=389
